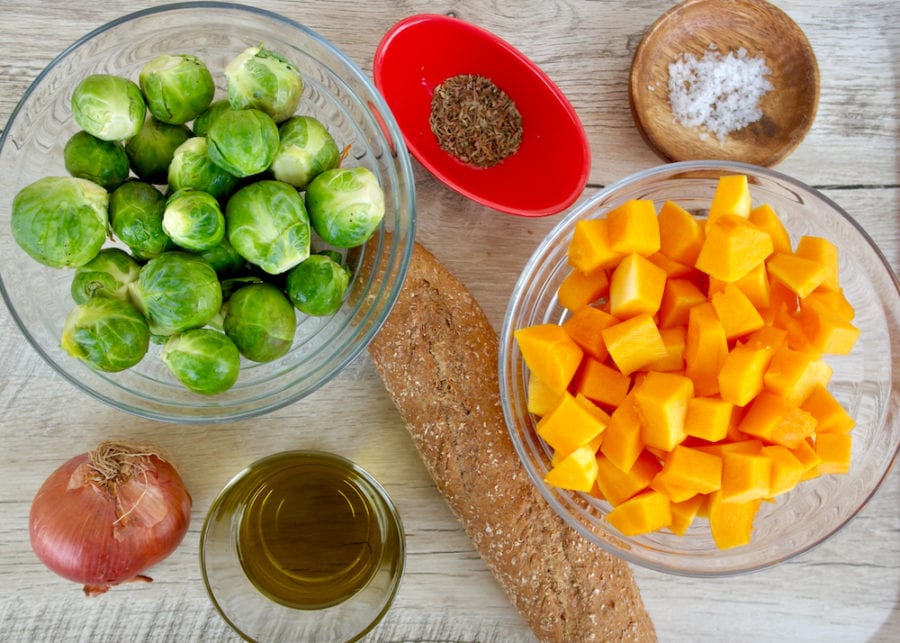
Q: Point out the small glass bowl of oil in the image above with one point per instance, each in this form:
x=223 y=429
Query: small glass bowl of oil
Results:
x=302 y=546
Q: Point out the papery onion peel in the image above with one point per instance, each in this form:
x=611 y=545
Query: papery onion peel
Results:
x=105 y=516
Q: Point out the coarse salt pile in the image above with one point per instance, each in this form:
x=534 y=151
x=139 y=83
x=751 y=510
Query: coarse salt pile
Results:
x=718 y=94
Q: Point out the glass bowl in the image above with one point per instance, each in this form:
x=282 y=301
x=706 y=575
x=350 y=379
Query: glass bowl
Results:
x=864 y=381
x=335 y=91
x=302 y=546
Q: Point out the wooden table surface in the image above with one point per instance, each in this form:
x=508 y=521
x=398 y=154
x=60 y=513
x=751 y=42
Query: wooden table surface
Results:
x=848 y=589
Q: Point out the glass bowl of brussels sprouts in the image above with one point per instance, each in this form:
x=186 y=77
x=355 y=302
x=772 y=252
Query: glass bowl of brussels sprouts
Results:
x=207 y=212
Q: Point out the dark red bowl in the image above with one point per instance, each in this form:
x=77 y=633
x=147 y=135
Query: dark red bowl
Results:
x=549 y=170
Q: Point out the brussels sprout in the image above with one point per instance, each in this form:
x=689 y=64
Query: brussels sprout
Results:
x=224 y=259
x=202 y=122
x=261 y=79
x=151 y=150
x=305 y=149
x=107 y=334
x=345 y=205
x=261 y=322
x=111 y=108
x=135 y=216
x=177 y=291
x=191 y=167
x=243 y=142
x=60 y=221
x=193 y=220
x=268 y=225
x=317 y=285
x=177 y=87
x=203 y=359
x=103 y=162
x=106 y=275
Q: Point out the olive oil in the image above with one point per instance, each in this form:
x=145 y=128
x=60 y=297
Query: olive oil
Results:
x=314 y=530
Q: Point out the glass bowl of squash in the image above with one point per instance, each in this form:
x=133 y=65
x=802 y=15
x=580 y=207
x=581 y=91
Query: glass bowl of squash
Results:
x=697 y=368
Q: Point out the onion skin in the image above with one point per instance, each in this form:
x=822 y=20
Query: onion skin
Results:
x=101 y=531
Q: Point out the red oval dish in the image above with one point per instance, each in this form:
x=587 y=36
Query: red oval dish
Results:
x=549 y=170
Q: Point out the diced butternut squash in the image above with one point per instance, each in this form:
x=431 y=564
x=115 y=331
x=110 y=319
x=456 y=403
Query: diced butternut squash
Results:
x=577 y=471
x=830 y=415
x=834 y=450
x=646 y=512
x=634 y=228
x=799 y=274
x=824 y=252
x=550 y=353
x=684 y=513
x=673 y=339
x=673 y=269
x=622 y=439
x=673 y=491
x=692 y=469
x=731 y=523
x=741 y=375
x=732 y=248
x=585 y=326
x=732 y=197
x=748 y=446
x=635 y=287
x=833 y=300
x=579 y=289
x=755 y=285
x=806 y=454
x=736 y=312
x=662 y=400
x=705 y=349
x=571 y=424
x=589 y=248
x=679 y=296
x=541 y=399
x=600 y=383
x=792 y=374
x=634 y=343
x=765 y=218
x=708 y=418
x=680 y=234
x=617 y=486
x=745 y=477
x=773 y=420
x=787 y=470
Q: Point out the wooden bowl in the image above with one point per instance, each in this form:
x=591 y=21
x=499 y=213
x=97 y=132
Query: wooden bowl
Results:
x=763 y=30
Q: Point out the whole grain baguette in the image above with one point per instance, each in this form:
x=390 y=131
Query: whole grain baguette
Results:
x=437 y=356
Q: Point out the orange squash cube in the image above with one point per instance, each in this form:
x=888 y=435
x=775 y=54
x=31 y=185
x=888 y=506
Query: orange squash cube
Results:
x=731 y=523
x=635 y=287
x=732 y=248
x=834 y=450
x=584 y=326
x=742 y=372
x=773 y=420
x=800 y=275
x=674 y=492
x=732 y=197
x=634 y=343
x=577 y=471
x=679 y=296
x=830 y=415
x=684 y=513
x=600 y=383
x=622 y=439
x=708 y=418
x=680 y=233
x=579 y=289
x=692 y=469
x=736 y=312
x=673 y=339
x=833 y=300
x=705 y=349
x=662 y=400
x=646 y=512
x=571 y=424
x=589 y=248
x=805 y=453
x=822 y=251
x=617 y=486
x=746 y=446
x=765 y=218
x=745 y=477
x=549 y=353
x=634 y=228
x=826 y=331
x=793 y=374
x=787 y=470
x=540 y=398
x=755 y=285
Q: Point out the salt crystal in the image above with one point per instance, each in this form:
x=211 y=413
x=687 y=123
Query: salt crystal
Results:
x=717 y=93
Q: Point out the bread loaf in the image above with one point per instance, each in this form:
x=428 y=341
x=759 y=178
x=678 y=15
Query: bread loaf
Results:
x=437 y=355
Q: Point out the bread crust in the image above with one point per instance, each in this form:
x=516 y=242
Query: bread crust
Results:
x=437 y=356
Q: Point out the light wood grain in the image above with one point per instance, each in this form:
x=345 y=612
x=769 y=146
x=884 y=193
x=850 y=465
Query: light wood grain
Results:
x=845 y=590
